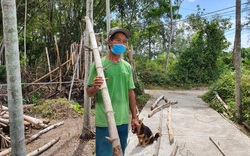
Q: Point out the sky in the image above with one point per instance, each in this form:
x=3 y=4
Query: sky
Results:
x=226 y=8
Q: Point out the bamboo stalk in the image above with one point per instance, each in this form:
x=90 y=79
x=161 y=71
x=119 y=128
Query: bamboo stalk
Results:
x=157 y=101
x=43 y=148
x=114 y=138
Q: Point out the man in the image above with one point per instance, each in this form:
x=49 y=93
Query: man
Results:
x=120 y=86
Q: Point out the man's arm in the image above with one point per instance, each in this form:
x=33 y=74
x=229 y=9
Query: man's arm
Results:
x=133 y=110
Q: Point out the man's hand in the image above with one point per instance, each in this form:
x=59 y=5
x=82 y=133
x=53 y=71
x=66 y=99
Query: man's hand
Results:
x=135 y=126
x=98 y=81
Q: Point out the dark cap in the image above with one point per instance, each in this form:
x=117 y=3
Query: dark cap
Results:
x=117 y=29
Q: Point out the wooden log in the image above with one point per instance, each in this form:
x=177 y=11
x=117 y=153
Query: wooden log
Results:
x=3 y=124
x=217 y=146
x=169 y=125
x=5 y=121
x=5 y=152
x=157 y=101
x=155 y=110
x=35 y=121
x=35 y=136
x=43 y=148
x=113 y=133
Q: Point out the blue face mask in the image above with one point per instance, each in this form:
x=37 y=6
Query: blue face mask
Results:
x=118 y=49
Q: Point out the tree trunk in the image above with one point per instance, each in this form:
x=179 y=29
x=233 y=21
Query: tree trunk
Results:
x=15 y=102
x=86 y=129
x=237 y=54
x=114 y=138
x=170 y=37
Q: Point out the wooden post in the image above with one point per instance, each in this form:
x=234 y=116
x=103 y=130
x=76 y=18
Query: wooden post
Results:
x=75 y=70
x=114 y=138
x=47 y=54
x=59 y=64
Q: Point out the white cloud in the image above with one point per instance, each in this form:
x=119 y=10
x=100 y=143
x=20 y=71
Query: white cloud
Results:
x=191 y=0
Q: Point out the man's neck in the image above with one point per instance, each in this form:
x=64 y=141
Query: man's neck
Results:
x=113 y=57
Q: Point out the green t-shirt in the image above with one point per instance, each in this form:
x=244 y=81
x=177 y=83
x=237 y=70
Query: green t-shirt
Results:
x=120 y=81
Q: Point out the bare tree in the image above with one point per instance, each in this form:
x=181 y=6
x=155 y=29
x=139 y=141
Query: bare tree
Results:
x=15 y=103
x=237 y=60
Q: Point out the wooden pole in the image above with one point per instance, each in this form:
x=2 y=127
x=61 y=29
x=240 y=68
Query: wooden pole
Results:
x=50 y=76
x=75 y=70
x=59 y=64
x=169 y=125
x=217 y=147
x=114 y=138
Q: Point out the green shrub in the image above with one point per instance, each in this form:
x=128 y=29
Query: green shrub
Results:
x=225 y=87
x=3 y=74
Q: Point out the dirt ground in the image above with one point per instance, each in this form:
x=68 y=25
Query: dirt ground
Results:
x=69 y=143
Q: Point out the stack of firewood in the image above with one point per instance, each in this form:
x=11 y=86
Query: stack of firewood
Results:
x=4 y=126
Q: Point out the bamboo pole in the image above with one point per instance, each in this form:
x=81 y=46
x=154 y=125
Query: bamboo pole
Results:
x=114 y=138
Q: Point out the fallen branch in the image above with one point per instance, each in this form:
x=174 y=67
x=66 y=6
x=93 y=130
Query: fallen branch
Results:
x=43 y=148
x=155 y=110
x=35 y=136
x=176 y=146
x=169 y=125
x=217 y=147
x=156 y=102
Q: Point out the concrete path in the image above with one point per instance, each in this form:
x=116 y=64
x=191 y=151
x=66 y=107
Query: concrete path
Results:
x=193 y=123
